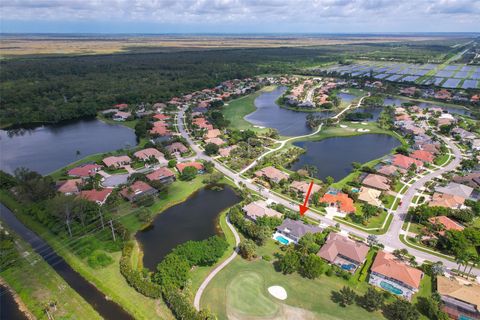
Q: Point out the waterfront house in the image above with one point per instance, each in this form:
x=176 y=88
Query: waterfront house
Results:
x=389 y=170
x=422 y=155
x=395 y=276
x=377 y=182
x=344 y=252
x=98 y=196
x=150 y=154
x=302 y=187
x=121 y=116
x=341 y=201
x=272 y=174
x=116 y=161
x=69 y=187
x=138 y=190
x=259 y=208
x=293 y=230
x=443 y=94
x=404 y=162
x=460 y=297
x=163 y=174
x=370 y=196
x=84 y=171
x=196 y=165
x=121 y=106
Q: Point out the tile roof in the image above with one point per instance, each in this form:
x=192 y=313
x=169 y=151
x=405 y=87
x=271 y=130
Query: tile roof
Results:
x=259 y=209
x=337 y=244
x=183 y=165
x=116 y=160
x=160 y=173
x=456 y=189
x=212 y=133
x=272 y=173
x=448 y=223
x=99 y=196
x=145 y=154
x=138 y=187
x=217 y=141
x=370 y=196
x=399 y=160
x=468 y=292
x=376 y=181
x=341 y=200
x=302 y=186
x=84 y=170
x=423 y=155
x=297 y=228
x=69 y=186
x=446 y=201
x=386 y=264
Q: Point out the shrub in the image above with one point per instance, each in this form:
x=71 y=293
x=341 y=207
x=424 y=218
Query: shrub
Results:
x=99 y=259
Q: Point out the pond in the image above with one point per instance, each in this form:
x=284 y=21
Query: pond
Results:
x=193 y=219
x=288 y=122
x=346 y=98
x=48 y=148
x=104 y=306
x=9 y=309
x=373 y=111
x=449 y=109
x=334 y=156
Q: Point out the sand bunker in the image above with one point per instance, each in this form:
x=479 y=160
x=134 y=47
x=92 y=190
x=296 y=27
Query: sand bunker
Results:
x=278 y=292
x=343 y=126
x=363 y=130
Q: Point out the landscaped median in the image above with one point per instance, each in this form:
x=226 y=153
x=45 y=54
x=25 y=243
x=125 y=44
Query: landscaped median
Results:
x=378 y=225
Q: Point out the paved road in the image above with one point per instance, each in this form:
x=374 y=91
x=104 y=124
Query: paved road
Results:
x=391 y=239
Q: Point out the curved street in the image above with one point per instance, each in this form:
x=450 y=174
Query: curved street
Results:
x=390 y=239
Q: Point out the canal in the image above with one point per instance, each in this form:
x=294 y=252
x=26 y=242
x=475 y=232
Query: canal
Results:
x=105 y=307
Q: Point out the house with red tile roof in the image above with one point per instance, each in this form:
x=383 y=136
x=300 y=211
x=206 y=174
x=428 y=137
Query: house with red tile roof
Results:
x=272 y=174
x=69 y=187
x=404 y=162
x=259 y=208
x=121 y=106
x=393 y=275
x=389 y=170
x=183 y=165
x=443 y=94
x=163 y=174
x=202 y=123
x=98 y=196
x=160 y=128
x=85 y=170
x=343 y=251
x=117 y=161
x=410 y=91
x=447 y=223
x=422 y=155
x=377 y=182
x=341 y=201
x=138 y=190
x=161 y=116
x=460 y=297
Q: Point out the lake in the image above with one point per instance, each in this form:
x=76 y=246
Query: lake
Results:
x=334 y=156
x=399 y=101
x=374 y=111
x=193 y=219
x=48 y=148
x=288 y=122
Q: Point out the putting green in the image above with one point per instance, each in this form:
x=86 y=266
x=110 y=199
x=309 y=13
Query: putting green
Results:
x=247 y=296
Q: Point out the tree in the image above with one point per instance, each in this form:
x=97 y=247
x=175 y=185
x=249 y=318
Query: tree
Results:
x=372 y=240
x=356 y=165
x=431 y=309
x=189 y=173
x=289 y=262
x=213 y=178
x=372 y=300
x=311 y=169
x=173 y=272
x=172 y=163
x=307 y=244
x=401 y=310
x=329 y=180
x=311 y=266
x=346 y=296
x=211 y=149
x=247 y=249
x=7 y=181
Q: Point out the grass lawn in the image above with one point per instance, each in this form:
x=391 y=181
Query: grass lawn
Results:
x=44 y=285
x=237 y=109
x=241 y=290
x=441 y=160
x=108 y=279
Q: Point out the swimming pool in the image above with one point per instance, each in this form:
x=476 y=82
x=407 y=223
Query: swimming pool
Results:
x=387 y=286
x=355 y=190
x=348 y=267
x=282 y=240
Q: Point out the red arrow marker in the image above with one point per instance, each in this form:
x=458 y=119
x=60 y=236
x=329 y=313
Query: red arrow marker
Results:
x=304 y=208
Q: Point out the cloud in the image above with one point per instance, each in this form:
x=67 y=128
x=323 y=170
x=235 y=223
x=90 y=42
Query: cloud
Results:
x=320 y=13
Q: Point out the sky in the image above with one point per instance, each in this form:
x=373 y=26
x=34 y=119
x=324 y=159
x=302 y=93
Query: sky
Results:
x=238 y=16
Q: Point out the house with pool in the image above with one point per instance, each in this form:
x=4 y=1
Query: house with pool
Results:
x=290 y=231
x=343 y=252
x=460 y=297
x=393 y=275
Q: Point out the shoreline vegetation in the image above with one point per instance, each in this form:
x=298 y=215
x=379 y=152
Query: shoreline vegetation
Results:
x=18 y=300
